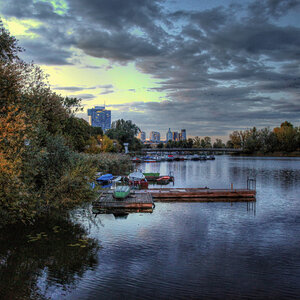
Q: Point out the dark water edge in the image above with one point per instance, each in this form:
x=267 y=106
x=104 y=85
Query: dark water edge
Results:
x=180 y=251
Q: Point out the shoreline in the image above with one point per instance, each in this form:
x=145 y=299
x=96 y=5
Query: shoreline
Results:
x=273 y=154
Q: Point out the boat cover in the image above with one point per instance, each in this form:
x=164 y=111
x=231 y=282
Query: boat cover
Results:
x=105 y=177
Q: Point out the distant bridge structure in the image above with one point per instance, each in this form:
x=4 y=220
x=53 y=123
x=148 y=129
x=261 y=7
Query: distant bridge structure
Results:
x=169 y=150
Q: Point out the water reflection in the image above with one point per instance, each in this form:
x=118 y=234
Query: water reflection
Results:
x=180 y=251
x=50 y=256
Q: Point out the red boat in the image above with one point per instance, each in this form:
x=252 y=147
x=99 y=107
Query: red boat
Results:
x=164 y=179
x=138 y=180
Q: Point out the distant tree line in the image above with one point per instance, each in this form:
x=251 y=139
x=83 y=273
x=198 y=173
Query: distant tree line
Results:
x=285 y=138
x=195 y=142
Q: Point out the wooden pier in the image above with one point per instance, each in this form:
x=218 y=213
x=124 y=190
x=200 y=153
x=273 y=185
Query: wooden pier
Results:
x=143 y=200
x=135 y=202
x=200 y=195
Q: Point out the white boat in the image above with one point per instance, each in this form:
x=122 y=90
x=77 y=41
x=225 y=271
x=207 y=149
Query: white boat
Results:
x=136 y=176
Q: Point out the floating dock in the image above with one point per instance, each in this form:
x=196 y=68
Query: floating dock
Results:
x=200 y=195
x=135 y=202
x=143 y=200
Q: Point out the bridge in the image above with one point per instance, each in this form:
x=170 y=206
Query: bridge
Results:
x=157 y=150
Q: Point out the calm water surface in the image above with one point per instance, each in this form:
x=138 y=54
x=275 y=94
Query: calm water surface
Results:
x=181 y=250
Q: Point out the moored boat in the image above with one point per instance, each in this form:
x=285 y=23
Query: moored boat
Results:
x=121 y=192
x=136 y=160
x=170 y=157
x=151 y=176
x=195 y=157
x=137 y=179
x=210 y=157
x=105 y=178
x=164 y=180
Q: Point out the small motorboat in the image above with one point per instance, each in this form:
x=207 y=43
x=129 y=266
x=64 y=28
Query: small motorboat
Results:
x=138 y=180
x=170 y=158
x=105 y=178
x=121 y=192
x=136 y=160
x=117 y=179
x=210 y=157
x=151 y=176
x=149 y=159
x=195 y=157
x=164 y=180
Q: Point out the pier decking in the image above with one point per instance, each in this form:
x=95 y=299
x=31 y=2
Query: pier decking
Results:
x=134 y=202
x=200 y=195
x=143 y=200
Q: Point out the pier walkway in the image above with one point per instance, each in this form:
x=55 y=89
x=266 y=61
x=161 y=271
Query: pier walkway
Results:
x=143 y=200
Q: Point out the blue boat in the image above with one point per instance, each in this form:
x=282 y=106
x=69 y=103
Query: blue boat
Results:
x=105 y=178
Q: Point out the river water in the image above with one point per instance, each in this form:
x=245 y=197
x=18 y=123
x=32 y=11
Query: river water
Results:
x=180 y=251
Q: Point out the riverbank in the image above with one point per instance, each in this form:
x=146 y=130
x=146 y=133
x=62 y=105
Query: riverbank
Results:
x=270 y=154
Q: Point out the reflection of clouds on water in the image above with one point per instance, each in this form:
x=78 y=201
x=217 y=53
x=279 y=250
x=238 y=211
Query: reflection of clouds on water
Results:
x=183 y=250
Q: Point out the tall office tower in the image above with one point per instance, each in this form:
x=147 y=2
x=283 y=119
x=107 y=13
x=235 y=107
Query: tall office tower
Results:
x=169 y=135
x=100 y=117
x=155 y=136
x=183 y=135
x=175 y=136
x=142 y=136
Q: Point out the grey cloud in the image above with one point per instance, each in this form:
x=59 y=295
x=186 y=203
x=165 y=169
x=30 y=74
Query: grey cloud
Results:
x=220 y=69
x=117 y=46
x=106 y=92
x=83 y=96
x=273 y=8
x=44 y=53
x=29 y=9
x=105 y=86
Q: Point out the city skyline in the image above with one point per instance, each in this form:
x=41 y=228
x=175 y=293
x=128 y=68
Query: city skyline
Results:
x=210 y=67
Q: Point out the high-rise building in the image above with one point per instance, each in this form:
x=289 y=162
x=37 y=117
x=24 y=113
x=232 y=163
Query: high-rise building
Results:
x=100 y=117
x=155 y=136
x=142 y=136
x=183 y=135
x=175 y=136
x=169 y=135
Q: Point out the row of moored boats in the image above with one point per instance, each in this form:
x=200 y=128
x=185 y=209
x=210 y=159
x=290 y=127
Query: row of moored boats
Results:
x=170 y=157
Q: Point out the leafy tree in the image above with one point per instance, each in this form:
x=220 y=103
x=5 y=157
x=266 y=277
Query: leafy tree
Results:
x=197 y=142
x=287 y=137
x=218 y=144
x=124 y=132
x=77 y=132
x=107 y=145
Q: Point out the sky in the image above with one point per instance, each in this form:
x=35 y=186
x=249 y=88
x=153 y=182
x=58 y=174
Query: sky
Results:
x=208 y=66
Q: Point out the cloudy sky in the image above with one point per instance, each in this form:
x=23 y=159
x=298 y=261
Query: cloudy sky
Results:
x=208 y=66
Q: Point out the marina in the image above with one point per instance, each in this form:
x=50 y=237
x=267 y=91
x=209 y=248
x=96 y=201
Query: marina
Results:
x=141 y=200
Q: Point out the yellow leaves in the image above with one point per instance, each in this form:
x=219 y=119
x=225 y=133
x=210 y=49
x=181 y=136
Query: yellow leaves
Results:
x=82 y=243
x=37 y=237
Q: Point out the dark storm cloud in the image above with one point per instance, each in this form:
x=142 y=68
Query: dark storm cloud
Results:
x=44 y=53
x=273 y=8
x=29 y=9
x=220 y=69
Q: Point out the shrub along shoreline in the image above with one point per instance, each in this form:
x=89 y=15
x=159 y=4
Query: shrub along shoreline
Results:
x=43 y=164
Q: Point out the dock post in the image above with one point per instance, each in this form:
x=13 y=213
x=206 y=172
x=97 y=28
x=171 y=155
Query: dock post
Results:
x=231 y=186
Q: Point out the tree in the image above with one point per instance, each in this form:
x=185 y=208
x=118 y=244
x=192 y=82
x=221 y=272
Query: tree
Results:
x=107 y=145
x=207 y=142
x=218 y=144
x=197 y=142
x=124 y=132
x=287 y=137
